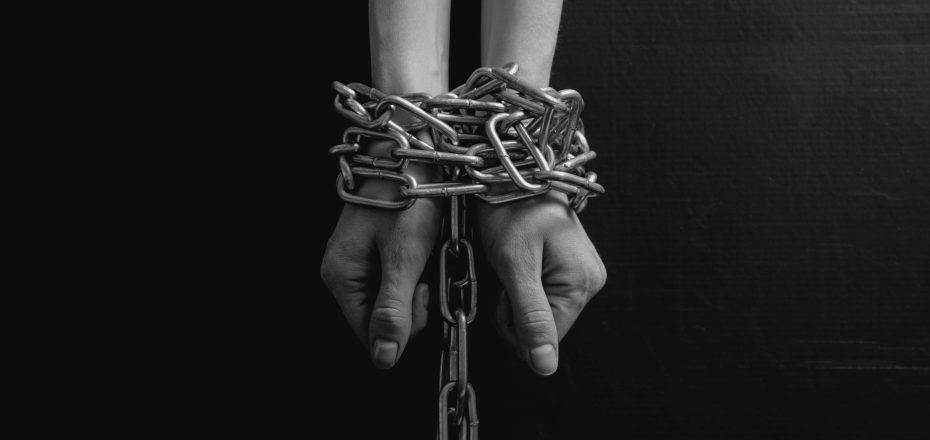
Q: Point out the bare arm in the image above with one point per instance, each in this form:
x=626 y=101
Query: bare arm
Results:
x=541 y=253
x=524 y=31
x=375 y=258
x=409 y=45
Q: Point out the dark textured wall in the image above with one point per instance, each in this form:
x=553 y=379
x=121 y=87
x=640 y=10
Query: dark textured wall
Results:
x=765 y=231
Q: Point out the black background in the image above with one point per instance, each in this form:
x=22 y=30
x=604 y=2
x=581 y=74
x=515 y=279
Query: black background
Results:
x=765 y=231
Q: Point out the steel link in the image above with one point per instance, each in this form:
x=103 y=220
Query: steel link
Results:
x=580 y=200
x=516 y=100
x=505 y=158
x=455 y=119
x=567 y=177
x=345 y=171
x=468 y=280
x=467 y=430
x=533 y=92
x=349 y=197
x=439 y=157
x=355 y=112
x=419 y=113
x=359 y=133
x=455 y=226
x=485 y=90
x=464 y=104
x=461 y=333
x=576 y=161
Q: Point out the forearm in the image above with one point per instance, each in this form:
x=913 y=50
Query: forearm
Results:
x=524 y=31
x=409 y=54
x=409 y=45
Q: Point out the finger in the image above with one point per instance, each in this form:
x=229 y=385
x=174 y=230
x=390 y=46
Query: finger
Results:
x=420 y=308
x=392 y=313
x=346 y=272
x=503 y=318
x=562 y=282
x=535 y=327
x=565 y=311
x=536 y=330
x=572 y=274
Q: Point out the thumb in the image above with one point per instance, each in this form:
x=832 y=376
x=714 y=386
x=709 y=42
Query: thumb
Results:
x=392 y=312
x=537 y=336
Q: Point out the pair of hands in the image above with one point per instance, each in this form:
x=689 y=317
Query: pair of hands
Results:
x=541 y=253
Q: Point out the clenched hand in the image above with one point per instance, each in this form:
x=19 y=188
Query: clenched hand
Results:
x=548 y=267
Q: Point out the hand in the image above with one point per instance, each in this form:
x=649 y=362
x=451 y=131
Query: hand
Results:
x=548 y=267
x=371 y=244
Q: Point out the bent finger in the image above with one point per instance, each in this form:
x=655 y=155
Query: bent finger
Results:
x=347 y=275
x=420 y=308
x=391 y=320
x=535 y=326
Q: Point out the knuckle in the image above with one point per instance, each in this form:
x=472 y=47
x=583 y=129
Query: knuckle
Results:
x=598 y=278
x=330 y=270
x=339 y=271
x=583 y=283
x=389 y=315
x=331 y=273
x=536 y=321
x=591 y=279
x=579 y=278
x=576 y=300
x=333 y=246
x=339 y=278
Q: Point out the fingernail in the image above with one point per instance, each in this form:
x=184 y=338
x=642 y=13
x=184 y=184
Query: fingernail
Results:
x=544 y=359
x=384 y=353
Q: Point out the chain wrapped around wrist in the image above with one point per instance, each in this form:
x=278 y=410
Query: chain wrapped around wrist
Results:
x=493 y=131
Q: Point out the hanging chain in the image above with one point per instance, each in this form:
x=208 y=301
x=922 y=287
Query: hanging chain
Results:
x=493 y=129
x=458 y=304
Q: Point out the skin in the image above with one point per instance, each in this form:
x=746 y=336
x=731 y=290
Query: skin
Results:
x=547 y=264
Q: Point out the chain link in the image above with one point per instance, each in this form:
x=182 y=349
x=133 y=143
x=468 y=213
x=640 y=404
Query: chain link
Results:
x=493 y=129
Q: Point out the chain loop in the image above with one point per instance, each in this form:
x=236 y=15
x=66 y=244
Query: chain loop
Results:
x=446 y=283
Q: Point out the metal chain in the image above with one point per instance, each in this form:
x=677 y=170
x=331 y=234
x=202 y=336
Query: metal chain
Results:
x=492 y=129
x=458 y=304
